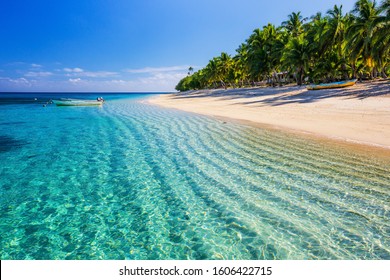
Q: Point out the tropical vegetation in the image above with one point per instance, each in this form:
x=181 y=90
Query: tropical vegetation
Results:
x=322 y=48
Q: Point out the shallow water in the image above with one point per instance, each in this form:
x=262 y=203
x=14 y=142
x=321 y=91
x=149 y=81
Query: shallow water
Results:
x=134 y=181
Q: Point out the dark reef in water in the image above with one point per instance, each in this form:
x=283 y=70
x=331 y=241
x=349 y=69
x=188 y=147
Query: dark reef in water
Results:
x=8 y=143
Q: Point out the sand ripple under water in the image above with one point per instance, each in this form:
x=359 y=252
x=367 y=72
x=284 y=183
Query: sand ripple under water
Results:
x=135 y=181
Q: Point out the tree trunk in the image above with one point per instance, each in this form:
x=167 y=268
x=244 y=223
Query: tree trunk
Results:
x=375 y=72
x=345 y=72
x=299 y=77
x=223 y=84
x=354 y=72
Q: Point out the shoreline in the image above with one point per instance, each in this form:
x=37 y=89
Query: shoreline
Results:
x=355 y=116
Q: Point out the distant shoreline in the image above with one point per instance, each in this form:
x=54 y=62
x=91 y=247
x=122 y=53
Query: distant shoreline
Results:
x=357 y=115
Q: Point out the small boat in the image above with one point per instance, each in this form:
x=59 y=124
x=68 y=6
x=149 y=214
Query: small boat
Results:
x=78 y=102
x=341 y=84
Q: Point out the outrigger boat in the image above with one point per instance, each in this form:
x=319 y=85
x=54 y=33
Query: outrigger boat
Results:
x=78 y=102
x=341 y=84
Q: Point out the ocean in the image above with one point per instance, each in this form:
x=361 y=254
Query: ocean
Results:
x=130 y=180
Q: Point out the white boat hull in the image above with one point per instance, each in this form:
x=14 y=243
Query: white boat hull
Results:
x=74 y=102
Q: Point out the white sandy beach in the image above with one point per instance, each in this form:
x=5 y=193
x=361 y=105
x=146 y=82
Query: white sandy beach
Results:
x=359 y=114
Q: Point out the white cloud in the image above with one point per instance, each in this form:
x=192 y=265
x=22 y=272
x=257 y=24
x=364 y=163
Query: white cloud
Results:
x=118 y=82
x=152 y=79
x=38 y=74
x=74 y=81
x=157 y=83
x=24 y=64
x=98 y=74
x=15 y=84
x=158 y=78
x=163 y=79
x=73 y=70
x=15 y=63
x=152 y=70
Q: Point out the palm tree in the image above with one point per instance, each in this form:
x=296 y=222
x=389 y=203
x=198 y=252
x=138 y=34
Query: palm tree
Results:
x=297 y=56
x=225 y=69
x=241 y=64
x=315 y=33
x=271 y=50
x=294 y=24
x=362 y=31
x=335 y=35
x=325 y=48
x=211 y=74
x=386 y=8
x=255 y=54
x=265 y=49
x=382 y=39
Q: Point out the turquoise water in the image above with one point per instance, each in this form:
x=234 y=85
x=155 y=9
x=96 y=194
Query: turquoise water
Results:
x=134 y=181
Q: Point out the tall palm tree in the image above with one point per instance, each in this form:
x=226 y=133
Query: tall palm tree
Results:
x=211 y=73
x=265 y=51
x=256 y=58
x=218 y=70
x=297 y=56
x=294 y=24
x=224 y=63
x=270 y=36
x=361 y=33
x=315 y=33
x=241 y=64
x=382 y=39
x=335 y=35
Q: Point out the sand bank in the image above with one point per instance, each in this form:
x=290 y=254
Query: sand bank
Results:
x=359 y=114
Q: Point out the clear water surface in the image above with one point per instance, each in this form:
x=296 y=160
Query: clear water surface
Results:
x=134 y=181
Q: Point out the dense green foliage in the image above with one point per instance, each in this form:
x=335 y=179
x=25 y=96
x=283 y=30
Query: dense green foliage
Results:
x=325 y=48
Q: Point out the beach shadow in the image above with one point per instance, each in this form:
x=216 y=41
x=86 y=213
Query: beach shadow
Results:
x=291 y=94
x=360 y=92
x=232 y=93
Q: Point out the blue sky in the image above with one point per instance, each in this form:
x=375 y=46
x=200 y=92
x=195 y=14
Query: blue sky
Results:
x=126 y=45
